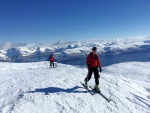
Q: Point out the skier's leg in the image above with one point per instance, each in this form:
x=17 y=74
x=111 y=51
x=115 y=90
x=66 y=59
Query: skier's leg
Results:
x=90 y=70
x=53 y=64
x=50 y=64
x=96 y=76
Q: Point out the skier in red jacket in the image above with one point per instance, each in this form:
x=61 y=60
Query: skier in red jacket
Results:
x=93 y=63
x=51 y=59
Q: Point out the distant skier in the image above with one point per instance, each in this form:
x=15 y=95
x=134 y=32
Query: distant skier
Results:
x=93 y=63
x=51 y=59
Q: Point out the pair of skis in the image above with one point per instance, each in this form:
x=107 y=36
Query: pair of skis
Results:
x=93 y=91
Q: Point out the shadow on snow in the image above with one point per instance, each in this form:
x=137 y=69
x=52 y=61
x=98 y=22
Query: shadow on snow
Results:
x=48 y=90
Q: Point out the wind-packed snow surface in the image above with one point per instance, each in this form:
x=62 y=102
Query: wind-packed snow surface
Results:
x=72 y=50
x=35 y=88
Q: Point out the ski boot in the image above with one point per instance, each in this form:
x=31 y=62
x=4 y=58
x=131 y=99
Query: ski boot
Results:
x=96 y=88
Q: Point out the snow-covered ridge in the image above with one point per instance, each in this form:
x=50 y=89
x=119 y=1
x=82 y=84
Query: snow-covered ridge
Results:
x=67 y=50
x=35 y=88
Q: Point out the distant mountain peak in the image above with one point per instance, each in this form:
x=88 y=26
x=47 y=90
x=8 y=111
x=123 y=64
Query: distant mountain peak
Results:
x=59 y=42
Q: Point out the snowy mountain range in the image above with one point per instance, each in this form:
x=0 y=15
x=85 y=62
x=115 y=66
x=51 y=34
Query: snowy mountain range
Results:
x=70 y=50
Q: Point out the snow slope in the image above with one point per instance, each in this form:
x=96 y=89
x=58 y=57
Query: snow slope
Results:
x=34 y=88
x=70 y=50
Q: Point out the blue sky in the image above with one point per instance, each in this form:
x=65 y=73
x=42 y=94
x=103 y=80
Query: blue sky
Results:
x=47 y=21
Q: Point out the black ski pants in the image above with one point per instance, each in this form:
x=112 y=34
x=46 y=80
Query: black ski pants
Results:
x=51 y=64
x=96 y=75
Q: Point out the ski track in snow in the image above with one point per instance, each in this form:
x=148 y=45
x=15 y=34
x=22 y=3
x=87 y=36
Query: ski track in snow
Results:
x=35 y=88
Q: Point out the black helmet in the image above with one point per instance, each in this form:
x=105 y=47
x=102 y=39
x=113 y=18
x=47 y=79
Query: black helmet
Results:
x=94 y=48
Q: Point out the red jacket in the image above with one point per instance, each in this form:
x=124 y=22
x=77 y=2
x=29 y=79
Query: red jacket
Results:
x=51 y=58
x=93 y=60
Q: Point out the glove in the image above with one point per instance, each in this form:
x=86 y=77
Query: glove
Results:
x=100 y=69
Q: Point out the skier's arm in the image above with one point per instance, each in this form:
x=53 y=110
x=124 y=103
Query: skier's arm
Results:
x=99 y=64
x=88 y=60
